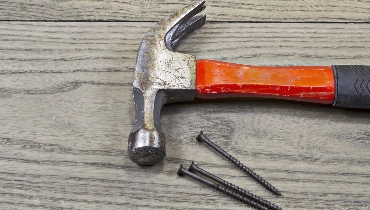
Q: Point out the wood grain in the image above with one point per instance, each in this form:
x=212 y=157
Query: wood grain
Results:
x=152 y=10
x=34 y=47
x=66 y=111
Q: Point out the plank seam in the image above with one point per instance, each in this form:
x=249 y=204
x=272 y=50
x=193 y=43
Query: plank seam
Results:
x=210 y=21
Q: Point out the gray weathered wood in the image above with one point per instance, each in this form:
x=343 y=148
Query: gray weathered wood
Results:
x=144 y=10
x=33 y=47
x=66 y=110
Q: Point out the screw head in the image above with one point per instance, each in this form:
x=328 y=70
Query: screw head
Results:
x=199 y=137
x=180 y=172
x=191 y=167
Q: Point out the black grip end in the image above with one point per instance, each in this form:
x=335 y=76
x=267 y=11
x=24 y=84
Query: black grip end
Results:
x=352 y=86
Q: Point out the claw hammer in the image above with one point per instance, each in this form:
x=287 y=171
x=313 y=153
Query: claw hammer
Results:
x=164 y=76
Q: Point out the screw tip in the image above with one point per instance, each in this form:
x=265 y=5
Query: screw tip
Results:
x=278 y=193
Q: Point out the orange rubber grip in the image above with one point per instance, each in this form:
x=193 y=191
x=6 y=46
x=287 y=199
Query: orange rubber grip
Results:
x=217 y=79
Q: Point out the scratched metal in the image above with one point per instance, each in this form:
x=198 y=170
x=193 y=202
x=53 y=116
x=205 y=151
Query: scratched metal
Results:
x=161 y=76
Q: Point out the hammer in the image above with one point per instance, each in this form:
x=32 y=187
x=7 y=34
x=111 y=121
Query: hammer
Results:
x=164 y=76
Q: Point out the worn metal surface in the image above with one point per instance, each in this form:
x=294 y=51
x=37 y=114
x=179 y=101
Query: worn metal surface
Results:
x=161 y=76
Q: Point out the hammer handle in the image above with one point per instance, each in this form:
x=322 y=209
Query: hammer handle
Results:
x=352 y=86
x=343 y=86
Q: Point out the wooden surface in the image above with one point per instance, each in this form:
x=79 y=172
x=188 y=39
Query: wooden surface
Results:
x=218 y=10
x=66 y=107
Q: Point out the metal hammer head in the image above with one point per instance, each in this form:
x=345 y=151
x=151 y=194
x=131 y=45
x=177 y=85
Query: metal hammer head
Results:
x=161 y=76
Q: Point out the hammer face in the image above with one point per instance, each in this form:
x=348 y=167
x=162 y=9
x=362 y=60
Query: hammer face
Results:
x=147 y=147
x=161 y=76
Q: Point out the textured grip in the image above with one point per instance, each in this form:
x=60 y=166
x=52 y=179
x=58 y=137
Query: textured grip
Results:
x=352 y=86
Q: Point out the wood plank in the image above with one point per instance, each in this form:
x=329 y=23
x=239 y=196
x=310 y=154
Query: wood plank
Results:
x=31 y=47
x=143 y=10
x=66 y=110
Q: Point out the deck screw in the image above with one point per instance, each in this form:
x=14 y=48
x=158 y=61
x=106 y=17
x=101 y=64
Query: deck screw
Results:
x=239 y=190
x=236 y=162
x=228 y=192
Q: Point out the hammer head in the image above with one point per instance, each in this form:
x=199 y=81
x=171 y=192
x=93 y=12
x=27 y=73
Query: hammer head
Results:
x=161 y=76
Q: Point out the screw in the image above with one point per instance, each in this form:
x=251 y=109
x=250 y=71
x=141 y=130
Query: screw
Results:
x=228 y=192
x=247 y=194
x=236 y=162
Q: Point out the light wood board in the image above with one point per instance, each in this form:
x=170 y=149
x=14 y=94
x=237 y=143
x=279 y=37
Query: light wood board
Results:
x=66 y=111
x=217 y=10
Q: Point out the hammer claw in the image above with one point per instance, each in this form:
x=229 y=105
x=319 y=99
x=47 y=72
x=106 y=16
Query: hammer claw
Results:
x=186 y=28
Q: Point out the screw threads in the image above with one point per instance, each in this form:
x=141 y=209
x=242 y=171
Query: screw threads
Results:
x=236 y=162
x=224 y=190
x=239 y=197
x=252 y=196
x=254 y=176
x=247 y=194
